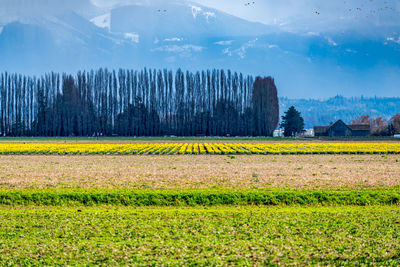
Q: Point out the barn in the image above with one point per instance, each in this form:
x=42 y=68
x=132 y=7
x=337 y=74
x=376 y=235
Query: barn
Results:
x=340 y=129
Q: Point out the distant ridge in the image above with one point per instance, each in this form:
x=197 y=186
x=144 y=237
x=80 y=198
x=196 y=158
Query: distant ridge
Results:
x=322 y=112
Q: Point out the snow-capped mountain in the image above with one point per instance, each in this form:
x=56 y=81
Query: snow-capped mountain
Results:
x=28 y=10
x=54 y=35
x=180 y=20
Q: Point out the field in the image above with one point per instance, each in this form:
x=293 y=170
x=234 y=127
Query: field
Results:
x=134 y=140
x=231 y=148
x=199 y=236
x=199 y=171
x=80 y=201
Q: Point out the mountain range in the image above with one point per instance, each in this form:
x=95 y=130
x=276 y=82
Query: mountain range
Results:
x=66 y=36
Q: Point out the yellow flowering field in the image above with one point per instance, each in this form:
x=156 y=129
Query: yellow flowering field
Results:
x=204 y=148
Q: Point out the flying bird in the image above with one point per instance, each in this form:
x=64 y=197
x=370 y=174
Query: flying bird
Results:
x=249 y=3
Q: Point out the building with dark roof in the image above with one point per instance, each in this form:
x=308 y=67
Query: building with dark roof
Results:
x=340 y=129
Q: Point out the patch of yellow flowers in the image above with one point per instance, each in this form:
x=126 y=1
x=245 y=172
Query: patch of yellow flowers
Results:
x=203 y=148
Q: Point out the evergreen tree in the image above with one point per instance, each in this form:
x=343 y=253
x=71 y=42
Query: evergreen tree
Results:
x=265 y=106
x=292 y=122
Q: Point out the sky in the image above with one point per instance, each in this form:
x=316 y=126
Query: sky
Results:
x=347 y=47
x=306 y=15
x=270 y=11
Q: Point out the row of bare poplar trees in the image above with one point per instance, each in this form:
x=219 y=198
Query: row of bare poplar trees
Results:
x=138 y=103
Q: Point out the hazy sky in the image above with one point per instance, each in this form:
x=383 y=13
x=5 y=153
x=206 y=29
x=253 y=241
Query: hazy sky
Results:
x=268 y=11
x=322 y=55
x=307 y=15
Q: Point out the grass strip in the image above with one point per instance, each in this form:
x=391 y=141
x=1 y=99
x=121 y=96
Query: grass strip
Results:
x=144 y=139
x=199 y=197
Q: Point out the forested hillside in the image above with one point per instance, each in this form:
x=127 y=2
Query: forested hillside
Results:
x=138 y=103
x=322 y=112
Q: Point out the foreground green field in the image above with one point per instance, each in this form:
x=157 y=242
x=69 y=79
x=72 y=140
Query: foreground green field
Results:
x=199 y=227
x=200 y=236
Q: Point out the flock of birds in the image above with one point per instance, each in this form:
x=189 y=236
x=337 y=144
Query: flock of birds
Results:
x=317 y=12
x=362 y=8
x=386 y=7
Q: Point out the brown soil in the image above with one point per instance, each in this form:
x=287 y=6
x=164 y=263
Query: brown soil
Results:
x=200 y=171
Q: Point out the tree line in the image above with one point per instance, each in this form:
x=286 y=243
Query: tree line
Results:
x=148 y=102
x=293 y=124
x=380 y=126
x=322 y=112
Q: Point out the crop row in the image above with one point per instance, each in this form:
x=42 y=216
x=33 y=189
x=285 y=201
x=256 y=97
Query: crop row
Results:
x=198 y=197
x=204 y=148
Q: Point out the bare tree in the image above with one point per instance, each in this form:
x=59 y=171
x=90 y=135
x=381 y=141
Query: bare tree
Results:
x=363 y=119
x=379 y=127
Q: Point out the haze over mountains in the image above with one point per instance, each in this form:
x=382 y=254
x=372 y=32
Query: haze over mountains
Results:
x=39 y=36
x=324 y=112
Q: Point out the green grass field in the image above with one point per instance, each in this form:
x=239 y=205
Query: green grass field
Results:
x=199 y=227
x=9 y=140
x=200 y=236
x=119 y=139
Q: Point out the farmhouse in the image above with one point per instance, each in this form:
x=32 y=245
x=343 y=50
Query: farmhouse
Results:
x=339 y=128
